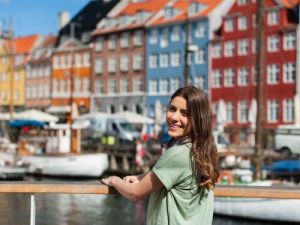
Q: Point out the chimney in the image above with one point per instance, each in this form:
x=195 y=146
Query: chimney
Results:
x=63 y=19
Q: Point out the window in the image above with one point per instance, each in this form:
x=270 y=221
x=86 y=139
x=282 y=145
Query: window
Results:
x=153 y=87
x=164 y=60
x=175 y=59
x=153 y=61
x=124 y=85
x=86 y=59
x=289 y=41
x=243 y=47
x=289 y=72
x=242 y=23
x=273 y=72
x=229 y=111
x=99 y=87
x=174 y=84
x=229 y=77
x=153 y=36
x=137 y=84
x=137 y=38
x=124 y=62
x=112 y=86
x=164 y=40
x=288 y=110
x=273 y=111
x=217 y=50
x=112 y=63
x=229 y=49
x=99 y=44
x=163 y=86
x=175 y=35
x=273 y=43
x=199 y=81
x=137 y=62
x=273 y=17
x=243 y=110
x=98 y=66
x=242 y=2
x=124 y=42
x=243 y=76
x=200 y=30
x=200 y=56
x=216 y=78
x=112 y=42
x=253 y=46
x=229 y=25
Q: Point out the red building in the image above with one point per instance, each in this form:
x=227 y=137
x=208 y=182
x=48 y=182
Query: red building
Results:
x=233 y=75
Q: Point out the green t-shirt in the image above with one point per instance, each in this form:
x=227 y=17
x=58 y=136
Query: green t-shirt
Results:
x=178 y=202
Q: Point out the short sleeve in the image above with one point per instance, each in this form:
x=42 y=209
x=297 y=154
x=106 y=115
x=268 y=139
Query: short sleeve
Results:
x=173 y=166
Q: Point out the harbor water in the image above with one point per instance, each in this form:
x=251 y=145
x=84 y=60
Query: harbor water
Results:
x=82 y=209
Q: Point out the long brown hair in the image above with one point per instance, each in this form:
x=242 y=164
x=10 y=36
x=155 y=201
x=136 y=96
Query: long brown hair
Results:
x=203 y=151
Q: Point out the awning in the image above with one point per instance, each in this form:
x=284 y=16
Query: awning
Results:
x=25 y=123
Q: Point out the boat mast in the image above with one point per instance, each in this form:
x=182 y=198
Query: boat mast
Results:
x=260 y=60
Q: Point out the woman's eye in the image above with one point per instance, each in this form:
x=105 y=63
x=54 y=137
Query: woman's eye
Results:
x=171 y=108
x=184 y=113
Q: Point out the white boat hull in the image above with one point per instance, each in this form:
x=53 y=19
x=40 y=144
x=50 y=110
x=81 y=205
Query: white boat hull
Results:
x=286 y=210
x=81 y=165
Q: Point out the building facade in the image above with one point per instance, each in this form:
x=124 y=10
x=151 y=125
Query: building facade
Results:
x=38 y=75
x=119 y=57
x=234 y=70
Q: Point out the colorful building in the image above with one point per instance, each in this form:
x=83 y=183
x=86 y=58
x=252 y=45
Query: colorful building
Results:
x=38 y=75
x=119 y=57
x=178 y=48
x=234 y=71
x=14 y=75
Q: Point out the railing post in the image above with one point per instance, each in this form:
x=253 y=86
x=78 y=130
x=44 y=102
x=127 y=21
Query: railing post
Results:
x=32 y=210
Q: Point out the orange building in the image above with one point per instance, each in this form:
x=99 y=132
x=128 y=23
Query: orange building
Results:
x=70 y=79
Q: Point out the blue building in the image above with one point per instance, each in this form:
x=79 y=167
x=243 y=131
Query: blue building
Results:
x=178 y=29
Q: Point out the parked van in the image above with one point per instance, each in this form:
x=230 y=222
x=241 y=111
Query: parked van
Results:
x=105 y=129
x=287 y=140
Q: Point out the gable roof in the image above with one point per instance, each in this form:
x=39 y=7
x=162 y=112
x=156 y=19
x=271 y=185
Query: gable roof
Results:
x=131 y=9
x=25 y=44
x=182 y=7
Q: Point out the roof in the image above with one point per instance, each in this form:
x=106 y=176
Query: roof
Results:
x=43 y=50
x=25 y=44
x=132 y=9
x=182 y=6
x=87 y=18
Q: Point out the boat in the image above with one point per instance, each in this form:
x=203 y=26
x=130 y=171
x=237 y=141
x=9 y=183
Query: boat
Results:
x=67 y=165
x=12 y=173
x=284 y=210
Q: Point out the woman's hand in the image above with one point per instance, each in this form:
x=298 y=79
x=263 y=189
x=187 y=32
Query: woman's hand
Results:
x=132 y=179
x=109 y=181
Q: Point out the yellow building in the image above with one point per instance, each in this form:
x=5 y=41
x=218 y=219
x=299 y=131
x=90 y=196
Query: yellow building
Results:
x=14 y=66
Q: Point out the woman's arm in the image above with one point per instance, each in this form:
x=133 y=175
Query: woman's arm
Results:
x=134 y=191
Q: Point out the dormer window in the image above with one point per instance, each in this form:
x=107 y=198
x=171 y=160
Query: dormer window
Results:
x=110 y=22
x=195 y=8
x=142 y=16
x=169 y=11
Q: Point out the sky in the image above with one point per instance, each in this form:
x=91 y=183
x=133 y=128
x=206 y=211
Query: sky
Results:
x=36 y=16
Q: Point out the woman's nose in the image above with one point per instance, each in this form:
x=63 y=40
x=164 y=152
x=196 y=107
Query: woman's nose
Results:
x=175 y=115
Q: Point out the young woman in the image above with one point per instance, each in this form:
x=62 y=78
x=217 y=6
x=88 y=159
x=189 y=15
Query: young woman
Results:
x=181 y=183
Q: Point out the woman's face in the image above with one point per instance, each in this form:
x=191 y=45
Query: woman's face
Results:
x=177 y=118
